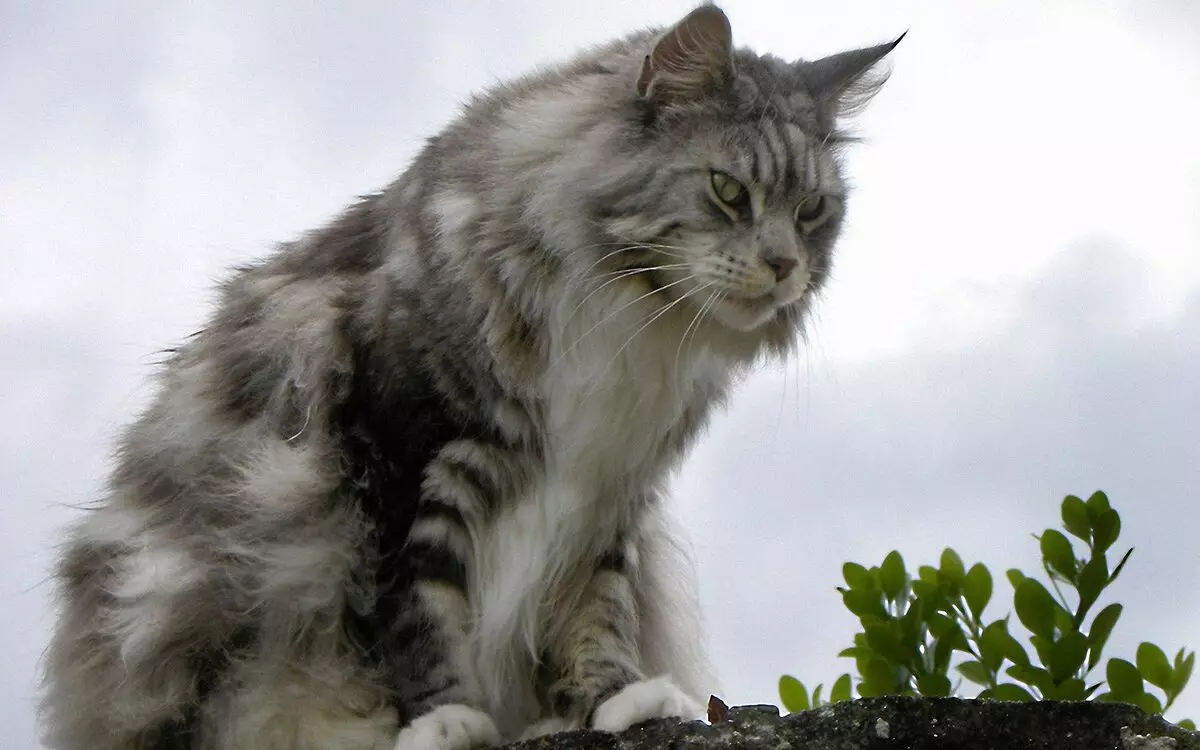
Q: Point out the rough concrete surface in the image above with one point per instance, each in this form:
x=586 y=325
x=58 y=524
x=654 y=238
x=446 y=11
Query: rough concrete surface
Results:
x=895 y=723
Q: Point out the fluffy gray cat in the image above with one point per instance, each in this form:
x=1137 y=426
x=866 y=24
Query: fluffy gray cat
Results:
x=405 y=490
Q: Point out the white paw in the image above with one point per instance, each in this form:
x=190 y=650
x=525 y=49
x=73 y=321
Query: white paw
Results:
x=551 y=725
x=450 y=727
x=648 y=699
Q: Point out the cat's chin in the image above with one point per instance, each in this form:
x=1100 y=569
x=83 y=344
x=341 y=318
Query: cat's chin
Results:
x=745 y=315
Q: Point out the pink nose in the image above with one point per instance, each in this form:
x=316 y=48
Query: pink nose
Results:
x=782 y=266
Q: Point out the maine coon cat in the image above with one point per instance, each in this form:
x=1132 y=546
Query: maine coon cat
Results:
x=405 y=489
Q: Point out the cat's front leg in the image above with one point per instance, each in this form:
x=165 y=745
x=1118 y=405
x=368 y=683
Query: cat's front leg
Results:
x=431 y=629
x=602 y=684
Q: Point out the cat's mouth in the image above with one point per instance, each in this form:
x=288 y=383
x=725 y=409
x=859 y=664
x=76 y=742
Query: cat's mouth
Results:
x=708 y=301
x=745 y=314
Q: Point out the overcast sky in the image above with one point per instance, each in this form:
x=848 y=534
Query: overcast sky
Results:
x=1015 y=314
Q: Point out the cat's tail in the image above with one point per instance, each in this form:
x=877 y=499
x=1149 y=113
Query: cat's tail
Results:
x=672 y=637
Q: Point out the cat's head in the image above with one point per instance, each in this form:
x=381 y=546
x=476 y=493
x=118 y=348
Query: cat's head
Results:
x=740 y=193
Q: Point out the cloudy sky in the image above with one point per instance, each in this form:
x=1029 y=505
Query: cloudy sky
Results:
x=1015 y=314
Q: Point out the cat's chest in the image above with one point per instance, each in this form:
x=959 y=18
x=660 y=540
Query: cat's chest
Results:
x=622 y=418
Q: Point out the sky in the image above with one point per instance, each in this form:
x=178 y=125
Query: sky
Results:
x=1014 y=314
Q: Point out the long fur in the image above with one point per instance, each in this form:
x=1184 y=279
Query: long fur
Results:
x=405 y=489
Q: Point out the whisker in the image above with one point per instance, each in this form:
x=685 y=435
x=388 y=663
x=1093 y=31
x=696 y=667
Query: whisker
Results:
x=621 y=274
x=609 y=316
x=661 y=312
x=692 y=325
x=606 y=256
x=648 y=244
x=714 y=301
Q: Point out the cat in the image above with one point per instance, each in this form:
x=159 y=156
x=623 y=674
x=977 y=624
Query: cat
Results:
x=406 y=488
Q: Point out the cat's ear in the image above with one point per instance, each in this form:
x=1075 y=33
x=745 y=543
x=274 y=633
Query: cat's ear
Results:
x=844 y=83
x=690 y=60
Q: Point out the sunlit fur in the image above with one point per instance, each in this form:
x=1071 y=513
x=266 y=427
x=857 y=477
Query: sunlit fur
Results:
x=405 y=489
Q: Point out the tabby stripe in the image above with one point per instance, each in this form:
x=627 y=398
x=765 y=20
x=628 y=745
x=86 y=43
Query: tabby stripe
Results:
x=432 y=509
x=428 y=695
x=762 y=171
x=438 y=532
x=414 y=629
x=459 y=485
x=779 y=156
x=613 y=560
x=787 y=133
x=809 y=167
x=432 y=562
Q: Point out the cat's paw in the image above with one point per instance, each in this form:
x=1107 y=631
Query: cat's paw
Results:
x=450 y=727
x=551 y=725
x=648 y=699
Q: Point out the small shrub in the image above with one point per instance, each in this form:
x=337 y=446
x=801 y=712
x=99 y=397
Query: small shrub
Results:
x=919 y=631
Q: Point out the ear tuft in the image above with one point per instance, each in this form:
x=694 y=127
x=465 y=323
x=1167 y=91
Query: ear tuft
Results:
x=691 y=59
x=844 y=83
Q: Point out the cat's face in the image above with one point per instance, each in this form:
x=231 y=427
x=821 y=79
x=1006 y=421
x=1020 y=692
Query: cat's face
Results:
x=742 y=194
x=754 y=224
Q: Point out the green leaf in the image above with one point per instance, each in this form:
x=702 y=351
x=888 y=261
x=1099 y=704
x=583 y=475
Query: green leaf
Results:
x=879 y=678
x=1093 y=578
x=993 y=644
x=1106 y=527
x=792 y=694
x=864 y=603
x=1033 y=676
x=1044 y=647
x=951 y=567
x=1064 y=621
x=1121 y=565
x=841 y=689
x=1071 y=689
x=869 y=689
x=1102 y=627
x=1149 y=703
x=1007 y=691
x=1124 y=680
x=1067 y=655
x=943 y=649
x=933 y=685
x=857 y=577
x=1096 y=504
x=977 y=588
x=1075 y=518
x=975 y=672
x=912 y=627
x=1153 y=664
x=884 y=642
x=927 y=592
x=892 y=575
x=1183 y=670
x=1035 y=607
x=1014 y=576
x=1057 y=553
x=816 y=696
x=1187 y=724
x=939 y=624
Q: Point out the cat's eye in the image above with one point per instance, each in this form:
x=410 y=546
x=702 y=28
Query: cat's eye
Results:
x=728 y=191
x=809 y=209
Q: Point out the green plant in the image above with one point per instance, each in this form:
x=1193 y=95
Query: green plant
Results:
x=917 y=632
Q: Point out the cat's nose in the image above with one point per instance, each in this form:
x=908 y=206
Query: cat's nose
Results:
x=782 y=265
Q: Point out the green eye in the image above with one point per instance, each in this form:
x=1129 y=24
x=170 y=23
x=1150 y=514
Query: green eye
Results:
x=728 y=190
x=810 y=208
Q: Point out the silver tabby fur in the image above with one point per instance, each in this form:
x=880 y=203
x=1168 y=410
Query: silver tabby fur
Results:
x=404 y=490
